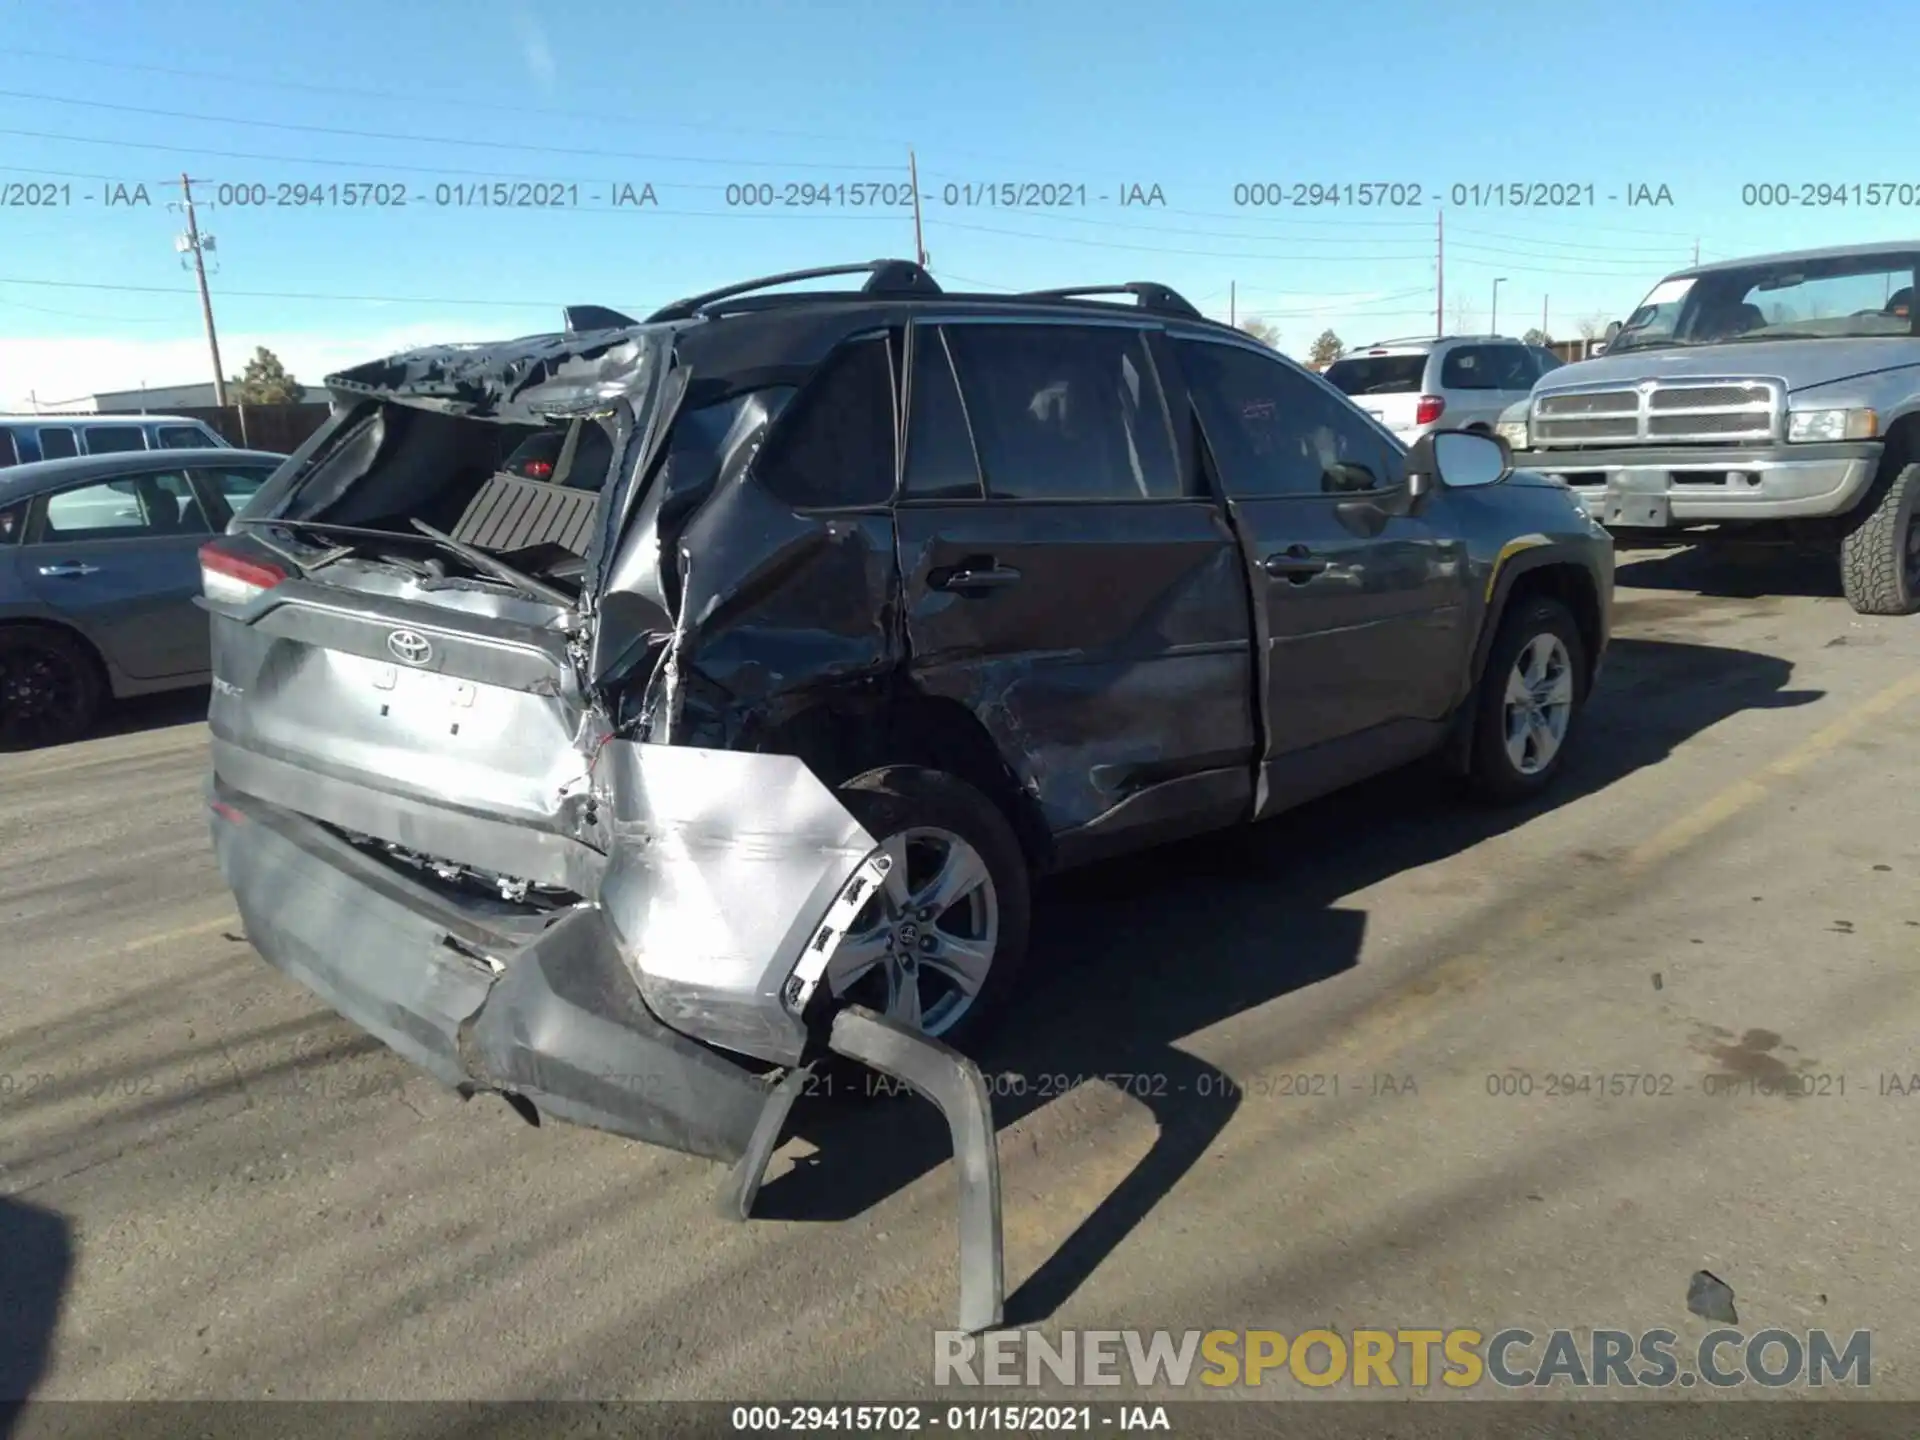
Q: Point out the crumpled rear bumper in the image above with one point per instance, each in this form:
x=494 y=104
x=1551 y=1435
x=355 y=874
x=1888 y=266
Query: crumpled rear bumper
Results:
x=552 y=1016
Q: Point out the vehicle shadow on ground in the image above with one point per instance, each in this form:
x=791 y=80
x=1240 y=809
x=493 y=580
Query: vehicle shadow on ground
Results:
x=1733 y=572
x=36 y=1262
x=1129 y=958
x=154 y=712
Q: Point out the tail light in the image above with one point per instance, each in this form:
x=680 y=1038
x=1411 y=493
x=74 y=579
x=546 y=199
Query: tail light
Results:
x=536 y=469
x=234 y=578
x=1429 y=411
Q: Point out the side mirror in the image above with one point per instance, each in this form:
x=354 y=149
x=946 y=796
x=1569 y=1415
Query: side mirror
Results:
x=1458 y=459
x=1613 y=329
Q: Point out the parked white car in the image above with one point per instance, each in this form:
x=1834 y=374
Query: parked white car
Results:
x=1456 y=382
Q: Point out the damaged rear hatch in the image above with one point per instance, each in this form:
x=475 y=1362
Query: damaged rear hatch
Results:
x=404 y=628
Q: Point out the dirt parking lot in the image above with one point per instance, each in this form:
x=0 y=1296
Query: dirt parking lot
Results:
x=1388 y=1034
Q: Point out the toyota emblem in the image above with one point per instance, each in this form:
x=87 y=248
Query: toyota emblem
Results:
x=410 y=646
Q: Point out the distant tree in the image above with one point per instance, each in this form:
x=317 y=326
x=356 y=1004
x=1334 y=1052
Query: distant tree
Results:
x=1268 y=335
x=1536 y=336
x=265 y=382
x=1327 y=348
x=1464 y=318
x=1592 y=326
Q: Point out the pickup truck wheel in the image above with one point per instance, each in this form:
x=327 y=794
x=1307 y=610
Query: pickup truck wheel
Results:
x=1880 y=555
x=51 y=687
x=1530 y=697
x=941 y=944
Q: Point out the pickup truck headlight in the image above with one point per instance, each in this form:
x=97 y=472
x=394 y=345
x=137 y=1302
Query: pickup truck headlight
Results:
x=1514 y=432
x=1815 y=426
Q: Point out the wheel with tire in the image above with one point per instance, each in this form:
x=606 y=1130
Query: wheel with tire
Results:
x=1530 y=697
x=1880 y=553
x=941 y=944
x=51 y=687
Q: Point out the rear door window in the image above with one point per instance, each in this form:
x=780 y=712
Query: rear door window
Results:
x=134 y=508
x=836 y=447
x=941 y=464
x=1065 y=412
x=183 y=437
x=114 y=439
x=57 y=442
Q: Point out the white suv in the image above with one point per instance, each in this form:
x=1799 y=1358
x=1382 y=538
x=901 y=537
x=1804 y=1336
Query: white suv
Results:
x=1457 y=382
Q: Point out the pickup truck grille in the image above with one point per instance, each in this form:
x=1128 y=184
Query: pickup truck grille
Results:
x=1659 y=413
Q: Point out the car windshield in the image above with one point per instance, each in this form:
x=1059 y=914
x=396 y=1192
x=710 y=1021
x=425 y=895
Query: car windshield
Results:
x=1849 y=296
x=1377 y=374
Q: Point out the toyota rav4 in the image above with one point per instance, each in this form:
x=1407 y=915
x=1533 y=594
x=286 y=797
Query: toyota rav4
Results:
x=818 y=624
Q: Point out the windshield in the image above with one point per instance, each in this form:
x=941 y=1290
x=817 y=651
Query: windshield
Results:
x=1858 y=296
x=1377 y=374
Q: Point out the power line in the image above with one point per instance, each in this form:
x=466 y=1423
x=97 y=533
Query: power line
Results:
x=466 y=102
x=283 y=294
x=470 y=143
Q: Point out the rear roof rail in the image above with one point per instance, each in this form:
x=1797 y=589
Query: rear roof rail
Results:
x=1160 y=299
x=884 y=277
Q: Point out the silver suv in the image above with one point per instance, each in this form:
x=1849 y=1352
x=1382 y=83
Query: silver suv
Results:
x=1456 y=382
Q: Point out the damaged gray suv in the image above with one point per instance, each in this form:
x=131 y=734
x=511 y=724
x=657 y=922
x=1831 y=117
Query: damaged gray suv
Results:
x=597 y=714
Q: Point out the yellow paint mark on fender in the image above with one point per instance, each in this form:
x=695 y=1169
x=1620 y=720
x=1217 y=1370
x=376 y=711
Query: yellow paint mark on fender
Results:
x=1507 y=551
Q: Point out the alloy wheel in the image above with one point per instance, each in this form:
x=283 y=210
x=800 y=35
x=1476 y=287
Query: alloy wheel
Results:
x=1538 y=703
x=921 y=950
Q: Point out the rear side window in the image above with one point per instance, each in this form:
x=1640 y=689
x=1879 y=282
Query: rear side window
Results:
x=13 y=521
x=837 y=445
x=1064 y=412
x=1378 y=374
x=235 y=486
x=114 y=439
x=184 y=437
x=9 y=452
x=57 y=442
x=1486 y=367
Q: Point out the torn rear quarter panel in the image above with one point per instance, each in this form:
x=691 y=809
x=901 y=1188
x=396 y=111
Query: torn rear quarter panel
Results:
x=722 y=866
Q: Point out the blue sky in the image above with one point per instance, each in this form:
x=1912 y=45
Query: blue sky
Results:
x=1195 y=99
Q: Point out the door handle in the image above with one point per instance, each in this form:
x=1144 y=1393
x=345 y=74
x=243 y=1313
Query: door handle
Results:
x=67 y=569
x=1295 y=563
x=985 y=577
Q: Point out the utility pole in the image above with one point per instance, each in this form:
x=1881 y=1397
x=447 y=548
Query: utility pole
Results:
x=913 y=180
x=1543 y=317
x=1233 y=295
x=199 y=244
x=1493 y=320
x=1439 y=273
x=1696 y=250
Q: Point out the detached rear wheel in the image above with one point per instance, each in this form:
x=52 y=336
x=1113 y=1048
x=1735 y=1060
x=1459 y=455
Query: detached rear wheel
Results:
x=50 y=687
x=1880 y=554
x=940 y=945
x=1530 y=697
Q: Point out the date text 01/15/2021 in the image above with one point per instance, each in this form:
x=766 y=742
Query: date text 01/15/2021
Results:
x=349 y=195
x=1014 y=1419
x=1481 y=195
